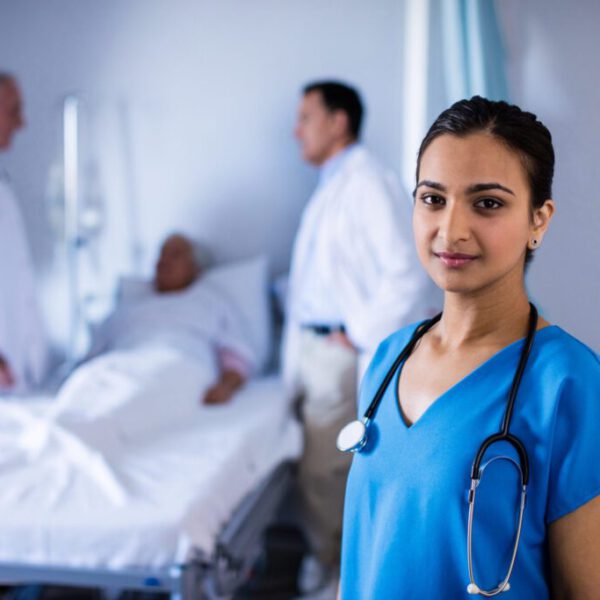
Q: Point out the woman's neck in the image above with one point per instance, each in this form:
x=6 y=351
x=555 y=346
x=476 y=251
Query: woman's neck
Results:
x=488 y=318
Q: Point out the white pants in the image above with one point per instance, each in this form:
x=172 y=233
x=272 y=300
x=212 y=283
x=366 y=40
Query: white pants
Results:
x=327 y=377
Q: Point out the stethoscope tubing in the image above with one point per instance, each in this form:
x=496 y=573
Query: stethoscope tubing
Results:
x=503 y=435
x=419 y=332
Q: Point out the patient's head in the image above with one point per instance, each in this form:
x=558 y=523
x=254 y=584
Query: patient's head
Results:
x=178 y=265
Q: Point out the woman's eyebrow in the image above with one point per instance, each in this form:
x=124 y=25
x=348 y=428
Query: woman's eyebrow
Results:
x=484 y=187
x=472 y=189
x=427 y=183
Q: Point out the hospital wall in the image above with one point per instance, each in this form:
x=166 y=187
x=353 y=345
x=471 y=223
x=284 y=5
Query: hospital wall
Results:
x=552 y=53
x=187 y=116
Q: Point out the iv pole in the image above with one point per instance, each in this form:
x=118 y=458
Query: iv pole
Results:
x=71 y=107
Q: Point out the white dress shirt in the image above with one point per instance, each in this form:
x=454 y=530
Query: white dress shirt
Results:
x=353 y=261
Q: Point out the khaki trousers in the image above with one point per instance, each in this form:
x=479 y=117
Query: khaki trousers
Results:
x=327 y=376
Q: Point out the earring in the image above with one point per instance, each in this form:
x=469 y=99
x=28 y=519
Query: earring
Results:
x=534 y=242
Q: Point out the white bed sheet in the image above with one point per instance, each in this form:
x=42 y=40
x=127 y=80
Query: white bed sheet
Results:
x=182 y=487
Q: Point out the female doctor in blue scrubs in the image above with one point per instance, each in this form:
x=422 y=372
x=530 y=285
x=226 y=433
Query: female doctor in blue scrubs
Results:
x=433 y=512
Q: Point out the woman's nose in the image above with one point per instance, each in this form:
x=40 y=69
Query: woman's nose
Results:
x=455 y=225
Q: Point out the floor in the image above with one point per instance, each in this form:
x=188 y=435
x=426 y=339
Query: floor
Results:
x=275 y=575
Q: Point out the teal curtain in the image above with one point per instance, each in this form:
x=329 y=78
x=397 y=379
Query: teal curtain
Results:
x=473 y=51
x=453 y=50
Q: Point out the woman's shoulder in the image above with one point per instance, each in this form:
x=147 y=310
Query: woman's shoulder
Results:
x=400 y=337
x=562 y=353
x=388 y=350
x=568 y=371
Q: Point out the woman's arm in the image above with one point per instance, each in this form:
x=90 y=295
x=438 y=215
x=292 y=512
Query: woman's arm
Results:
x=574 y=544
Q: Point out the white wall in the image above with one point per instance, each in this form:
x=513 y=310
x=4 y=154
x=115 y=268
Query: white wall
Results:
x=553 y=49
x=190 y=107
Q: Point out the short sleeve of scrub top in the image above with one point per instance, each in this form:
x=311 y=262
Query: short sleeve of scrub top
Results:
x=405 y=516
x=574 y=474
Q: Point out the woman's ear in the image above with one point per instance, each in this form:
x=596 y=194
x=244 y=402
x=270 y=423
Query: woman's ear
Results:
x=540 y=222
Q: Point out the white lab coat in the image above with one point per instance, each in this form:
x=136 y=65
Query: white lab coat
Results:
x=23 y=343
x=356 y=230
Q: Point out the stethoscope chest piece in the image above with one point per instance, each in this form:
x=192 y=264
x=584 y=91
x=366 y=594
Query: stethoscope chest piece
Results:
x=353 y=437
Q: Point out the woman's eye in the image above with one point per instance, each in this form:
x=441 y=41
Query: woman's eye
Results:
x=489 y=203
x=432 y=200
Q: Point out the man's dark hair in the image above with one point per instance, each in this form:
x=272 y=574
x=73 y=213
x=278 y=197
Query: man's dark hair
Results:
x=339 y=96
x=6 y=78
x=520 y=130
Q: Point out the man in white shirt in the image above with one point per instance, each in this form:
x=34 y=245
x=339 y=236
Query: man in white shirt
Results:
x=354 y=280
x=23 y=349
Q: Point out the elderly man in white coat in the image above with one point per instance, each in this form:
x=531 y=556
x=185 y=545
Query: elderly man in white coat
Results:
x=354 y=280
x=23 y=349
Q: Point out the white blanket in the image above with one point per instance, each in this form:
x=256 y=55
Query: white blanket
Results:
x=151 y=503
x=115 y=400
x=126 y=466
x=158 y=359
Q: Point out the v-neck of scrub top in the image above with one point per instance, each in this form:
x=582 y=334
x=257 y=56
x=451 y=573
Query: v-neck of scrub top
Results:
x=469 y=378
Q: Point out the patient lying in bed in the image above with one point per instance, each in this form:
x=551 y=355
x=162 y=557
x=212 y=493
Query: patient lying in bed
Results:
x=180 y=310
x=172 y=346
x=170 y=343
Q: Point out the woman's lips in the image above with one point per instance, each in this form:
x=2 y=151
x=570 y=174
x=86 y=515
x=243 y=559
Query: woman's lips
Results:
x=455 y=260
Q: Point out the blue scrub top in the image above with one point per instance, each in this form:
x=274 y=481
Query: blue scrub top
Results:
x=405 y=516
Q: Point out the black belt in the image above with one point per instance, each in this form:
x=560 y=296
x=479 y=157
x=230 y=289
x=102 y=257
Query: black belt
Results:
x=324 y=329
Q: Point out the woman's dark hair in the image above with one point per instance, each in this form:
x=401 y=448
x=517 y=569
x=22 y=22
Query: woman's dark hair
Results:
x=519 y=130
x=339 y=96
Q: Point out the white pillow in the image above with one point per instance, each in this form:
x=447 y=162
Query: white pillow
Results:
x=133 y=288
x=246 y=283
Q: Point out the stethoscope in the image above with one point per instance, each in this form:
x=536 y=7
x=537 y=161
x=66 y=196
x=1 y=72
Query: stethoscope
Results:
x=353 y=438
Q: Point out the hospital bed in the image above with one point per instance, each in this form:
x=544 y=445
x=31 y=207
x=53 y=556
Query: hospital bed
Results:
x=179 y=511
x=203 y=496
